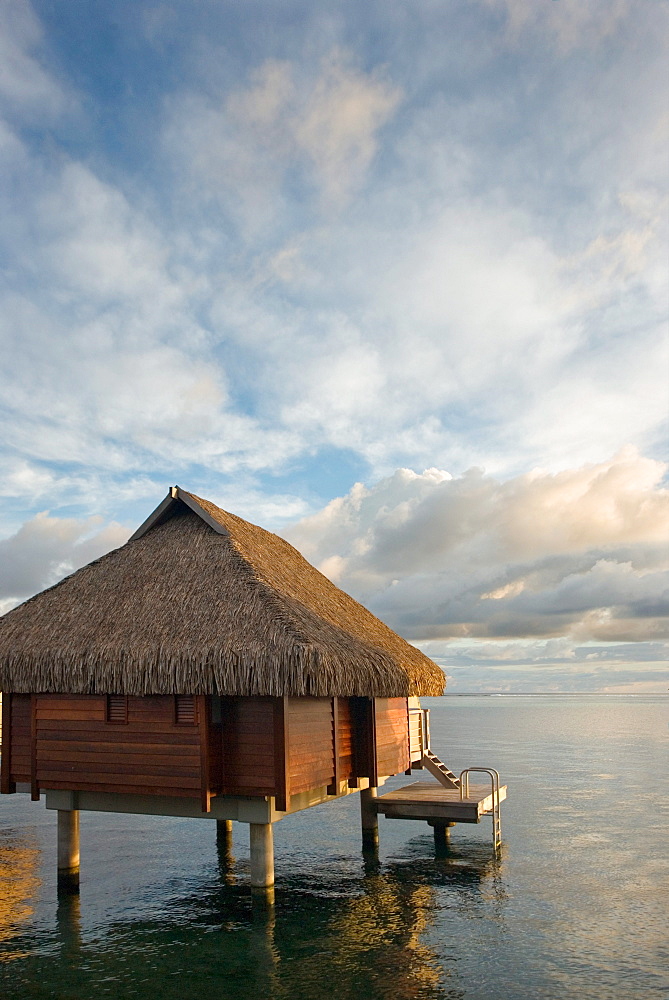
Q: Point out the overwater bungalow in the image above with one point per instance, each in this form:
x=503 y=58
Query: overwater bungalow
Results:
x=206 y=669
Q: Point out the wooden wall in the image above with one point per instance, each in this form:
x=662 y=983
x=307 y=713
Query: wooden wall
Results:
x=150 y=754
x=16 y=732
x=230 y=746
x=248 y=746
x=310 y=743
x=345 y=739
x=392 y=735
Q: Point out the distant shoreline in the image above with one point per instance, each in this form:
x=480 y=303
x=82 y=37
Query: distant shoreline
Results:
x=556 y=694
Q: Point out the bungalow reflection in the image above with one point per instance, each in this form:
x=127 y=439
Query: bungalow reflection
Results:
x=343 y=935
x=19 y=883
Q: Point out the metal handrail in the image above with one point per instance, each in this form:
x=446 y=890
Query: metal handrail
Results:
x=494 y=783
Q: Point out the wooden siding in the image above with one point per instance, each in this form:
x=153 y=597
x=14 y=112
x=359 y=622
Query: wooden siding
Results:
x=363 y=742
x=19 y=736
x=392 y=735
x=345 y=733
x=236 y=745
x=248 y=746
x=310 y=743
x=76 y=748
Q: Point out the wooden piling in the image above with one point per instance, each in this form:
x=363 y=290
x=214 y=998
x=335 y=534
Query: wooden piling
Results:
x=369 y=817
x=442 y=834
x=224 y=835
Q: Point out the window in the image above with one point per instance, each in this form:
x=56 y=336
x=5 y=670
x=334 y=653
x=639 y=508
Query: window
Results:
x=117 y=708
x=184 y=709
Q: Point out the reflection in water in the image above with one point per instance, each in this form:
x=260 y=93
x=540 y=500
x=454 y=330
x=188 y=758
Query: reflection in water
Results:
x=224 y=852
x=19 y=863
x=348 y=935
x=68 y=920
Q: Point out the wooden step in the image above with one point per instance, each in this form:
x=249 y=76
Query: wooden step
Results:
x=439 y=770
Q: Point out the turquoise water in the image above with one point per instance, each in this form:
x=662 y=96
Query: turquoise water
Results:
x=575 y=906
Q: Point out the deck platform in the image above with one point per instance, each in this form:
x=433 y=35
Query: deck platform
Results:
x=431 y=802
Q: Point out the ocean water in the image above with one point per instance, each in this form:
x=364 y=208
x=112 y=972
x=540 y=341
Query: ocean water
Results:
x=575 y=906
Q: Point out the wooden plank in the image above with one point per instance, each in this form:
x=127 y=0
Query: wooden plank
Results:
x=92 y=725
x=102 y=767
x=148 y=789
x=432 y=791
x=239 y=775
x=304 y=761
x=333 y=787
x=282 y=753
x=249 y=740
x=151 y=704
x=7 y=786
x=112 y=761
x=34 y=787
x=373 y=763
x=128 y=780
x=68 y=715
x=95 y=708
x=247 y=791
x=67 y=700
x=245 y=731
x=215 y=750
x=313 y=783
x=202 y=715
x=322 y=733
x=253 y=714
x=119 y=736
x=390 y=730
x=116 y=751
x=250 y=762
x=250 y=706
x=308 y=721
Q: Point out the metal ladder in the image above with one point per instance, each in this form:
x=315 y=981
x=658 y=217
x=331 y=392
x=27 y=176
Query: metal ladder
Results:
x=496 y=811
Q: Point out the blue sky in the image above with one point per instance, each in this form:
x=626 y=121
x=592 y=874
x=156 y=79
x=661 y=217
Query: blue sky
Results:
x=389 y=279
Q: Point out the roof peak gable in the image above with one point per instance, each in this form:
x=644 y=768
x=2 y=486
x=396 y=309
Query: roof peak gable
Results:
x=168 y=507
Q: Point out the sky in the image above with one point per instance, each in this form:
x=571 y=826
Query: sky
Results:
x=389 y=279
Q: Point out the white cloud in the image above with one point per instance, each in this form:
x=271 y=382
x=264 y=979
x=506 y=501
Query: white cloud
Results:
x=568 y=24
x=321 y=121
x=338 y=126
x=583 y=553
x=25 y=85
x=436 y=247
x=47 y=548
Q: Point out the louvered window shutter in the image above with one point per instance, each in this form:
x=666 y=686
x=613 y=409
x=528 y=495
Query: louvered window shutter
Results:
x=184 y=709
x=117 y=708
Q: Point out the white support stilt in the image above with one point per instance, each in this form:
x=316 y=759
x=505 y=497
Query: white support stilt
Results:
x=68 y=850
x=262 y=855
x=369 y=817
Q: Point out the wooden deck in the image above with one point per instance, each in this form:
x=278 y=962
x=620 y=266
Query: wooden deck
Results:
x=430 y=801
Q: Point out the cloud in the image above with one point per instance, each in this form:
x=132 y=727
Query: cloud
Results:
x=568 y=23
x=26 y=87
x=582 y=553
x=47 y=548
x=320 y=121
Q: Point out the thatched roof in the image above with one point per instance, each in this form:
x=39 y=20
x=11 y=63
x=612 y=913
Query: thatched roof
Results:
x=201 y=602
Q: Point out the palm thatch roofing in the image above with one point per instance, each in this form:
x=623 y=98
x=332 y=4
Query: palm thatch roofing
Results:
x=199 y=601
